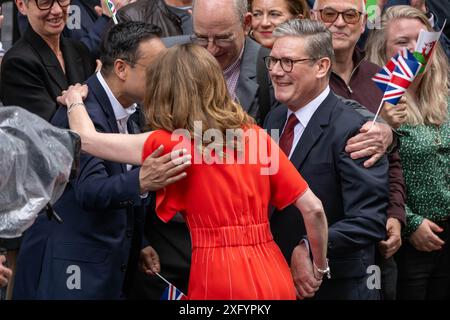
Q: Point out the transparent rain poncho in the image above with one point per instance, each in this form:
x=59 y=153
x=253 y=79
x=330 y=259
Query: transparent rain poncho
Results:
x=36 y=162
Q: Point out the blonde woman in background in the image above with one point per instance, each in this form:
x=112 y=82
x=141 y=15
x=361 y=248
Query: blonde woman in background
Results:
x=422 y=120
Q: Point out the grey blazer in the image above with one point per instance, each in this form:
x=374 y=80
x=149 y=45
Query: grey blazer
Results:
x=247 y=86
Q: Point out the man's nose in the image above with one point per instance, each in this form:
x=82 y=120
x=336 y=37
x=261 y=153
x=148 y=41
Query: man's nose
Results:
x=276 y=69
x=212 y=47
x=340 y=22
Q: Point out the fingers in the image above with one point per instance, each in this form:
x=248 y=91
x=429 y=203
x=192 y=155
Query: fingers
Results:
x=157 y=152
x=434 y=227
x=372 y=160
x=358 y=146
x=150 y=261
x=390 y=246
x=176 y=174
x=435 y=241
x=3 y=281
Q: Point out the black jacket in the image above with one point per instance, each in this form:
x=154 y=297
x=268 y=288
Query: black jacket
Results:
x=32 y=78
x=155 y=12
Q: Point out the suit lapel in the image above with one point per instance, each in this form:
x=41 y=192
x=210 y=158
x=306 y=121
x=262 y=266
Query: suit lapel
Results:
x=99 y=92
x=73 y=61
x=247 y=86
x=313 y=130
x=48 y=57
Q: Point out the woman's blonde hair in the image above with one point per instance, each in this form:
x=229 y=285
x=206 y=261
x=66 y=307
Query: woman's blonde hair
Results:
x=184 y=85
x=433 y=91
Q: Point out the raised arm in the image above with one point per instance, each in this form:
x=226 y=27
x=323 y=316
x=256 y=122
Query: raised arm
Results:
x=122 y=148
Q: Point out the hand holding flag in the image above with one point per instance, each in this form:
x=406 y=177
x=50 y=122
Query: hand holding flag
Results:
x=396 y=77
x=112 y=10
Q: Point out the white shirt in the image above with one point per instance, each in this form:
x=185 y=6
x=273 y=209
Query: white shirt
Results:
x=304 y=114
x=122 y=114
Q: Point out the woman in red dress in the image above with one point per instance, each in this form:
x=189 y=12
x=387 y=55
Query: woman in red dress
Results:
x=237 y=171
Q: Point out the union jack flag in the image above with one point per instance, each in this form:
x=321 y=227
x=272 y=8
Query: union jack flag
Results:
x=172 y=293
x=397 y=75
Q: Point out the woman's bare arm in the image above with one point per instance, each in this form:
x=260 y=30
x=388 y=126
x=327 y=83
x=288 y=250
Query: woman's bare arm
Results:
x=316 y=226
x=122 y=148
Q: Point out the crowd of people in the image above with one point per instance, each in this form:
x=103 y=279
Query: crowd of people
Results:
x=232 y=147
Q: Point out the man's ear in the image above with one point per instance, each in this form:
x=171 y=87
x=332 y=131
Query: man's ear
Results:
x=364 y=22
x=120 y=69
x=323 y=65
x=247 y=24
x=22 y=6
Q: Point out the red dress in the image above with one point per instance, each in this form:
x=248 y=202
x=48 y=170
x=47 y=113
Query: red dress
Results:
x=226 y=209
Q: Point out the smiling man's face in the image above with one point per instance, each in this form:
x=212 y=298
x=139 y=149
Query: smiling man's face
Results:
x=345 y=35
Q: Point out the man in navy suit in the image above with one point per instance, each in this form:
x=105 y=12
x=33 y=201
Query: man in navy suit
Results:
x=94 y=253
x=315 y=127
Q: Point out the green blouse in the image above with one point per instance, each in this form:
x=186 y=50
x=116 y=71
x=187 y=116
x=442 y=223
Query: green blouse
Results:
x=425 y=156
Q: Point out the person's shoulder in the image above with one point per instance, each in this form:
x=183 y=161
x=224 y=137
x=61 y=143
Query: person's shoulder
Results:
x=345 y=117
x=20 y=50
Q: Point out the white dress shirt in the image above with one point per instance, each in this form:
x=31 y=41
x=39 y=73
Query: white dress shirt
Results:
x=304 y=114
x=122 y=114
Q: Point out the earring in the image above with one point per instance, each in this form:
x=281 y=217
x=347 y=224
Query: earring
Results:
x=251 y=34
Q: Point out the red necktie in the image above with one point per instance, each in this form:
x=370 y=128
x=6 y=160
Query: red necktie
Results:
x=287 y=137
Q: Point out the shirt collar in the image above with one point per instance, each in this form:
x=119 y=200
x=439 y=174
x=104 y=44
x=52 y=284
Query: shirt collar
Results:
x=305 y=113
x=235 y=65
x=119 y=111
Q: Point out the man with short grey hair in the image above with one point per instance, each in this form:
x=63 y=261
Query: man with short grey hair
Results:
x=315 y=126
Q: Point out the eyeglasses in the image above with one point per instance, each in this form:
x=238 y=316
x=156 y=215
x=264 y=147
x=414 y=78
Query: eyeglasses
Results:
x=286 y=64
x=220 y=42
x=47 y=4
x=330 y=15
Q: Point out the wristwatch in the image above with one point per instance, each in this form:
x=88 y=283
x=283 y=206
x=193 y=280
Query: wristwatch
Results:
x=325 y=271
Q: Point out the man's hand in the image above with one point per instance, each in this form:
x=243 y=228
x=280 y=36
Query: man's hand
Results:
x=149 y=261
x=394 y=240
x=370 y=142
x=425 y=238
x=103 y=9
x=303 y=273
x=419 y=4
x=396 y=115
x=157 y=172
x=5 y=273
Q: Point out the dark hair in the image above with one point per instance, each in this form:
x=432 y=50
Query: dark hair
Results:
x=296 y=7
x=122 y=42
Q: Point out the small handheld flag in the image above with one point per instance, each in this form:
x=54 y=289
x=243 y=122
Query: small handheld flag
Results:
x=396 y=77
x=112 y=10
x=171 y=292
x=384 y=76
x=425 y=45
x=404 y=74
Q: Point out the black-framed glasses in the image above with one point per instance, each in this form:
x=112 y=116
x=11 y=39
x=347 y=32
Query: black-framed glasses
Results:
x=220 y=42
x=286 y=64
x=47 y=4
x=330 y=15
